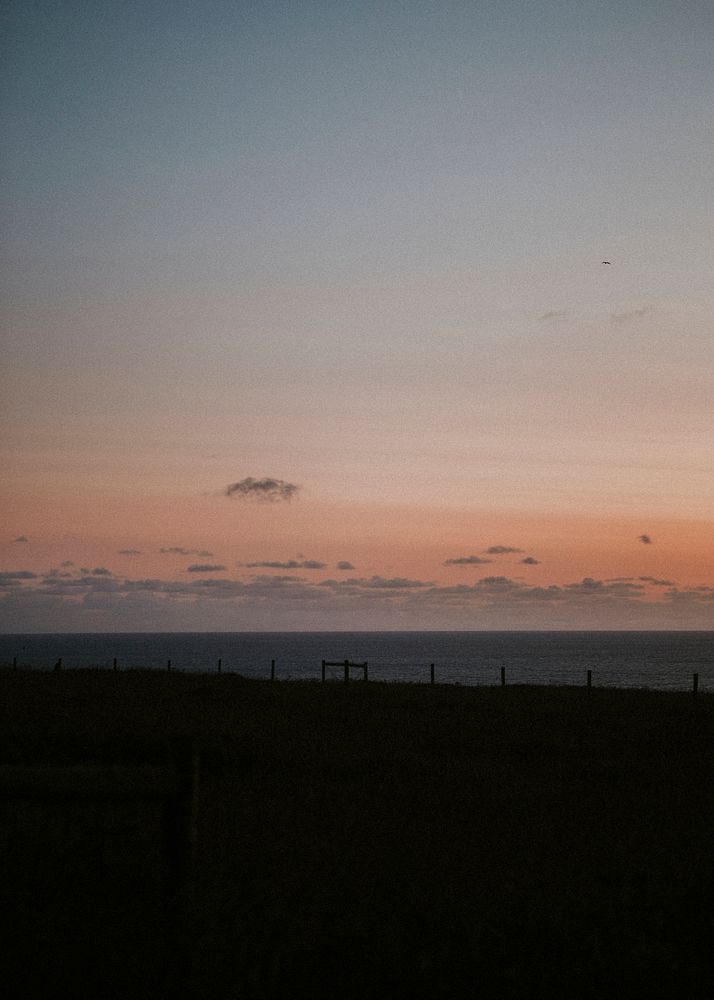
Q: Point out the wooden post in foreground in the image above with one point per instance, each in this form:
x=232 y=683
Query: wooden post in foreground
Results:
x=168 y=665
x=590 y=678
x=503 y=676
x=431 y=671
x=115 y=663
x=220 y=664
x=272 y=670
x=695 y=684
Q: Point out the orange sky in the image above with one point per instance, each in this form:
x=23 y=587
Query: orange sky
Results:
x=358 y=251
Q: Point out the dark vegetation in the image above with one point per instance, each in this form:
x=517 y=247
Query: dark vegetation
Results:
x=367 y=841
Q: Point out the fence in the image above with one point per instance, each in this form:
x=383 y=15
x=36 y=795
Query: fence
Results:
x=346 y=666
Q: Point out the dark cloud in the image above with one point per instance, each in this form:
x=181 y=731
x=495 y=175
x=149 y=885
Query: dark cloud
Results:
x=628 y=317
x=646 y=539
x=262 y=489
x=554 y=314
x=377 y=583
x=343 y=564
x=129 y=552
x=176 y=550
x=67 y=562
x=657 y=583
x=97 y=571
x=205 y=568
x=501 y=550
x=17 y=574
x=290 y=564
x=530 y=561
x=22 y=538
x=467 y=561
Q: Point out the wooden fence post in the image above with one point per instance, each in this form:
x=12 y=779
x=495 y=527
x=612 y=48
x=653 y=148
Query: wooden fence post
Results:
x=115 y=663
x=168 y=665
x=272 y=670
x=220 y=664
x=590 y=679
x=431 y=670
x=503 y=676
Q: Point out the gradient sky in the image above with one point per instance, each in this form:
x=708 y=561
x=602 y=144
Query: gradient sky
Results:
x=357 y=248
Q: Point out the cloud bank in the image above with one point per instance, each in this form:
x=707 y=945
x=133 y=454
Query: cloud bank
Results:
x=91 y=602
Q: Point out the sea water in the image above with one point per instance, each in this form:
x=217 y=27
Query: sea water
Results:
x=656 y=660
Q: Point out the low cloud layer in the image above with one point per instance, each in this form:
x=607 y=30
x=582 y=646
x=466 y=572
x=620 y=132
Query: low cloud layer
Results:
x=501 y=550
x=205 y=568
x=530 y=561
x=344 y=564
x=129 y=552
x=22 y=538
x=88 y=601
x=270 y=490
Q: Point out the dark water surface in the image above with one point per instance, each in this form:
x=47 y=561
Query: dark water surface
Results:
x=656 y=660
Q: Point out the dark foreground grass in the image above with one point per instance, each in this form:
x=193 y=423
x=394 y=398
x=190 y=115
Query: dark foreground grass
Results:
x=368 y=841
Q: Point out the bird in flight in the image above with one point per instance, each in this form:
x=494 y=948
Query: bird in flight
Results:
x=606 y=262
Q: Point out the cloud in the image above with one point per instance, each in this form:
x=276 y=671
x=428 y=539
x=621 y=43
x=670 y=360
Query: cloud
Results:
x=377 y=583
x=268 y=489
x=129 y=552
x=645 y=539
x=22 y=538
x=657 y=583
x=530 y=561
x=67 y=562
x=343 y=564
x=176 y=550
x=204 y=568
x=467 y=561
x=622 y=318
x=289 y=602
x=13 y=578
x=501 y=550
x=553 y=315
x=290 y=564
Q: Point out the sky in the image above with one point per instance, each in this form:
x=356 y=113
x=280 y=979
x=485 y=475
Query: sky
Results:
x=306 y=325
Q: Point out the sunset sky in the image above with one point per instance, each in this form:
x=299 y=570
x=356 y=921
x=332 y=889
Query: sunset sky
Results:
x=306 y=324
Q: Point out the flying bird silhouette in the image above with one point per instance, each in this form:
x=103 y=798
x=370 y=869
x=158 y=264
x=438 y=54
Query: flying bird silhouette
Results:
x=606 y=262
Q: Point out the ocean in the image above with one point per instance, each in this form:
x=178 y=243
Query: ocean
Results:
x=654 y=660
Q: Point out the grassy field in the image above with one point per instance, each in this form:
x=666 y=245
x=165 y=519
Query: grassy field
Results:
x=367 y=841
